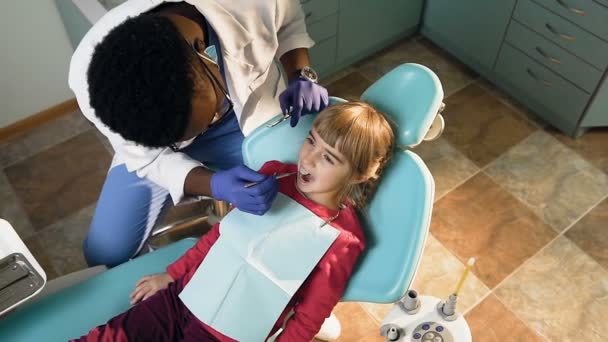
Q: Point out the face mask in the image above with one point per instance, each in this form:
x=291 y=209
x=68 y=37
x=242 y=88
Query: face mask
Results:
x=212 y=53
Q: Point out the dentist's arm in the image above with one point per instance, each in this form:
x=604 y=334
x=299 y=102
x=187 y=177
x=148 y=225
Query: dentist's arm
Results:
x=301 y=95
x=229 y=186
x=198 y=182
x=294 y=60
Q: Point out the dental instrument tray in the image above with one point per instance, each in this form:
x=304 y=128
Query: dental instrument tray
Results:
x=18 y=280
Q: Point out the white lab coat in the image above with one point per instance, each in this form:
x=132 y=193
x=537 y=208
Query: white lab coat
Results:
x=253 y=34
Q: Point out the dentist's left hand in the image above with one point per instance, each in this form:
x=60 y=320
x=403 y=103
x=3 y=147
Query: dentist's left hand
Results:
x=303 y=97
x=229 y=185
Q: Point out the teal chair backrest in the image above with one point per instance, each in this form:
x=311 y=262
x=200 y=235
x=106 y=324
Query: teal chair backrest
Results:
x=397 y=219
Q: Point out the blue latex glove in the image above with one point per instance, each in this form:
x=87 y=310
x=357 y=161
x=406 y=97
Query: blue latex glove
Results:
x=229 y=185
x=304 y=97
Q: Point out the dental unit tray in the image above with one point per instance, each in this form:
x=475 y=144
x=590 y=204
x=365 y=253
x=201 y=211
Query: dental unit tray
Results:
x=18 y=280
x=21 y=276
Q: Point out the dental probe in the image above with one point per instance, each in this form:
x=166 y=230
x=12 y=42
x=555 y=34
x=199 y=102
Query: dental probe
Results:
x=283 y=175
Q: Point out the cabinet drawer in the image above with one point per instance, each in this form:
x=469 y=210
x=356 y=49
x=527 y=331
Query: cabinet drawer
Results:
x=585 y=13
x=323 y=56
x=562 y=32
x=553 y=56
x=474 y=28
x=540 y=88
x=366 y=26
x=324 y=28
x=314 y=10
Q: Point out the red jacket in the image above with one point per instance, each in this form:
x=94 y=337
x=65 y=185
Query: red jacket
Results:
x=324 y=287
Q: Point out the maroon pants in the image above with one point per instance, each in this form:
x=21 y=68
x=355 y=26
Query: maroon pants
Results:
x=162 y=317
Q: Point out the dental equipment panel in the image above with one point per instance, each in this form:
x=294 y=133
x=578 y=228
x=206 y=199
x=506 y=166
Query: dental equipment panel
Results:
x=427 y=319
x=21 y=277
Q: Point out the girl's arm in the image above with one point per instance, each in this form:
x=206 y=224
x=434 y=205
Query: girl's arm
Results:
x=323 y=291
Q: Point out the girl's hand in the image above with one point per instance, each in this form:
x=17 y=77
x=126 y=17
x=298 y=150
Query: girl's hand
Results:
x=147 y=286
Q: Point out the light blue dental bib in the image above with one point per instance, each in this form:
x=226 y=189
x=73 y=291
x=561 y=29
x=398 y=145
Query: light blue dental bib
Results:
x=255 y=267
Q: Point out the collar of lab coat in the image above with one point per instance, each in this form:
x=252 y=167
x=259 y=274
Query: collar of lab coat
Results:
x=234 y=37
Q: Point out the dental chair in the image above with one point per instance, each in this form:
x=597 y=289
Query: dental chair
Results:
x=396 y=221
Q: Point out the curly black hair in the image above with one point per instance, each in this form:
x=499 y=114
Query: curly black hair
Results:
x=141 y=81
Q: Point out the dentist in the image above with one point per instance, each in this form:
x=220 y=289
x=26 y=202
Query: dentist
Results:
x=175 y=86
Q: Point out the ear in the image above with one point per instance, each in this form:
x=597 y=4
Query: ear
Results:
x=362 y=179
x=371 y=174
x=359 y=180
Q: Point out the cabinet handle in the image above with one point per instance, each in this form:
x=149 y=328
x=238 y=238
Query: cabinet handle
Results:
x=561 y=35
x=308 y=15
x=533 y=75
x=302 y=2
x=547 y=57
x=571 y=9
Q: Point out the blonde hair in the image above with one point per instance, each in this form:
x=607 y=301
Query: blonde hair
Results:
x=365 y=137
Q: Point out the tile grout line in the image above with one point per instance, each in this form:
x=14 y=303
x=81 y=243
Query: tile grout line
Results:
x=535 y=123
x=543 y=128
x=562 y=233
x=528 y=206
x=479 y=170
x=18 y=203
x=496 y=94
x=523 y=264
x=415 y=41
x=491 y=292
x=45 y=148
x=527 y=261
x=482 y=171
x=454 y=91
x=369 y=314
x=523 y=321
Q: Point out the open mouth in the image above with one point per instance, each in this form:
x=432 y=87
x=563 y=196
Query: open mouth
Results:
x=304 y=175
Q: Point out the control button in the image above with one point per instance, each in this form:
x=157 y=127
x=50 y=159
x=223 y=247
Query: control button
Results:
x=426 y=327
x=439 y=328
x=437 y=339
x=417 y=336
x=429 y=335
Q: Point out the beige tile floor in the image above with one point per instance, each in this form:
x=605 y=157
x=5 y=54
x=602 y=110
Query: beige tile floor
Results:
x=528 y=202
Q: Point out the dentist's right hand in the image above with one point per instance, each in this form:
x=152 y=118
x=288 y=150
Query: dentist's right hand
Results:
x=229 y=185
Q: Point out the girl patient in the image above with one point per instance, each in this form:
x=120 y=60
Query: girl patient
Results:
x=338 y=166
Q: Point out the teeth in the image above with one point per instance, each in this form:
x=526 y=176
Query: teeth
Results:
x=303 y=172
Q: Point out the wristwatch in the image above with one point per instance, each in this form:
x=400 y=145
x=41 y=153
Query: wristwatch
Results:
x=308 y=73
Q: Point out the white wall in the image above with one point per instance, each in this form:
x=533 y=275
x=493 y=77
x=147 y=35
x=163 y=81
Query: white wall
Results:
x=34 y=59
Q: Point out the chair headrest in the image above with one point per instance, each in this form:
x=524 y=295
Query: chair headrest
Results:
x=398 y=216
x=411 y=95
